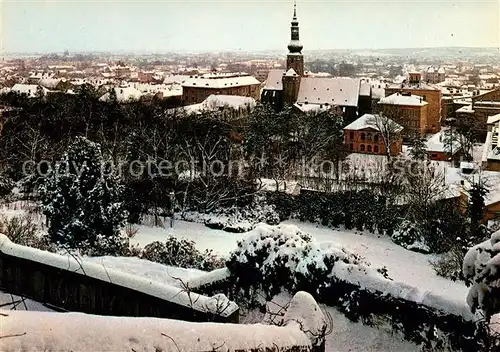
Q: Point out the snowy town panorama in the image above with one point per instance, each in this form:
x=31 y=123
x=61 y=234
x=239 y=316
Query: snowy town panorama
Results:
x=243 y=176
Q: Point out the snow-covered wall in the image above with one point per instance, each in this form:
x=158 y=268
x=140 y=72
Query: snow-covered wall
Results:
x=302 y=331
x=67 y=282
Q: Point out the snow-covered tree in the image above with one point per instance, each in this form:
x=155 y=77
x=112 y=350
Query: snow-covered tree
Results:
x=476 y=204
x=481 y=269
x=82 y=198
x=418 y=150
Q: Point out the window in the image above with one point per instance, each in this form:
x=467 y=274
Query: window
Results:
x=375 y=149
x=362 y=147
x=351 y=146
x=424 y=97
x=434 y=156
x=351 y=135
x=369 y=149
x=369 y=136
x=375 y=138
x=363 y=136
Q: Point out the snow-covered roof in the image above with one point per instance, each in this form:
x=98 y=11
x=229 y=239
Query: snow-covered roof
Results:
x=493 y=119
x=274 y=80
x=369 y=121
x=214 y=102
x=466 y=109
x=49 y=83
x=291 y=73
x=403 y=99
x=490 y=179
x=232 y=101
x=313 y=107
x=437 y=143
x=220 y=82
x=334 y=91
x=29 y=89
x=171 y=79
x=123 y=94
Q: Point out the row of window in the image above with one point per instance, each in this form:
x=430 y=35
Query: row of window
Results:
x=365 y=137
x=364 y=148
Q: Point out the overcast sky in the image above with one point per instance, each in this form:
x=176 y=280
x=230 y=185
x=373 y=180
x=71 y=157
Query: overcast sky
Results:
x=248 y=25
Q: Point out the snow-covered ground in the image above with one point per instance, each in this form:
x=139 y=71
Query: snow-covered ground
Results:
x=219 y=241
x=403 y=265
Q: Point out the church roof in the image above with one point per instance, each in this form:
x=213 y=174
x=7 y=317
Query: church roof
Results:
x=291 y=72
x=334 y=91
x=274 y=80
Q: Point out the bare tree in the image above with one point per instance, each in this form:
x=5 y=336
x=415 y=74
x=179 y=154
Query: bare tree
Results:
x=389 y=131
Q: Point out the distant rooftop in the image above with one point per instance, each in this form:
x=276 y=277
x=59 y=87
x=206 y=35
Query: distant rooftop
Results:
x=403 y=99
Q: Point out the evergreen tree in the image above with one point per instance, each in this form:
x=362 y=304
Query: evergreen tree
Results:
x=476 y=204
x=82 y=199
x=418 y=149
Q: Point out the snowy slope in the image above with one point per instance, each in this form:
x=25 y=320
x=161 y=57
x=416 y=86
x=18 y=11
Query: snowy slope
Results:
x=403 y=265
x=406 y=267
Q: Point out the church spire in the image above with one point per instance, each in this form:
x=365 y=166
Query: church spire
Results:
x=294 y=46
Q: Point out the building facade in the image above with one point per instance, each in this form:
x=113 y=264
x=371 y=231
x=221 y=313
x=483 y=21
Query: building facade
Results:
x=491 y=151
x=363 y=136
x=410 y=111
x=430 y=94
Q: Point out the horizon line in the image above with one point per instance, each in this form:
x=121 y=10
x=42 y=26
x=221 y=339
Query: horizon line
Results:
x=148 y=51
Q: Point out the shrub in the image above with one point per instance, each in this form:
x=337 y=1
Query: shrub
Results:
x=131 y=230
x=181 y=253
x=24 y=231
x=275 y=257
x=449 y=265
x=243 y=219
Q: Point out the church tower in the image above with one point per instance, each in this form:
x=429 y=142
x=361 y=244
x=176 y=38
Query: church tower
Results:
x=294 y=59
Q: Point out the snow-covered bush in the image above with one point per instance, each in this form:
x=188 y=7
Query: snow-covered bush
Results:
x=449 y=264
x=82 y=198
x=24 y=231
x=409 y=236
x=181 y=253
x=481 y=269
x=237 y=219
x=275 y=257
